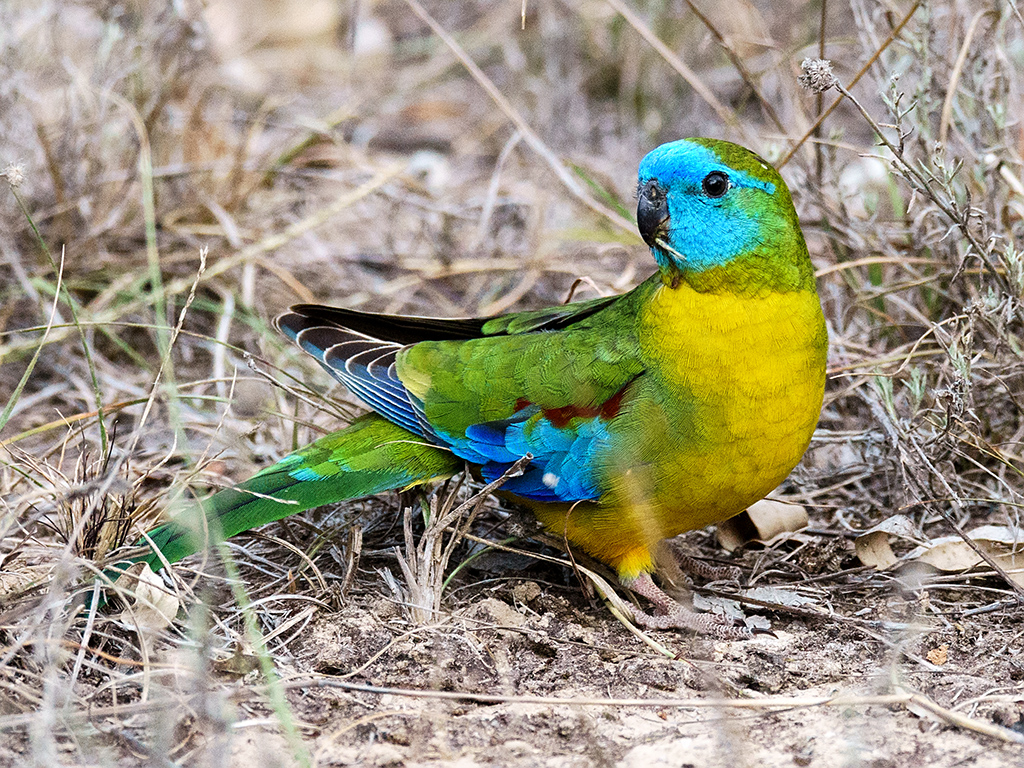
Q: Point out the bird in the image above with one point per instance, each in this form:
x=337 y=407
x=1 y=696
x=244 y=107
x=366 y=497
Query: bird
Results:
x=644 y=415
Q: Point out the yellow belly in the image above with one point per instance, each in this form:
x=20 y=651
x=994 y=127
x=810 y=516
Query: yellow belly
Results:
x=727 y=407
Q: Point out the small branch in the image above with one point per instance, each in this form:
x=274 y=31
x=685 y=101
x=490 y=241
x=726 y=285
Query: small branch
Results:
x=724 y=113
x=856 y=79
x=740 y=65
x=1018 y=590
x=907 y=699
x=818 y=77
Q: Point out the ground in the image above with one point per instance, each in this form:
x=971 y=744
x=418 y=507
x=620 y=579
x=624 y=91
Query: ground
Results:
x=176 y=176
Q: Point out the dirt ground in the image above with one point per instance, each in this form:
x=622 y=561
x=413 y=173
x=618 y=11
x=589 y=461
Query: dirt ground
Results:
x=519 y=639
x=350 y=153
x=879 y=676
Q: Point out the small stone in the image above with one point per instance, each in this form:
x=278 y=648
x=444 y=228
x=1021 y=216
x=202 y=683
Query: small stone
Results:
x=526 y=591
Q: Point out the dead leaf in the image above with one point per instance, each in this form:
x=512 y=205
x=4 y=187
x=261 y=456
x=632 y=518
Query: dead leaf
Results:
x=938 y=656
x=154 y=607
x=950 y=553
x=723 y=606
x=873 y=550
x=780 y=596
x=239 y=664
x=1004 y=544
x=762 y=521
x=873 y=547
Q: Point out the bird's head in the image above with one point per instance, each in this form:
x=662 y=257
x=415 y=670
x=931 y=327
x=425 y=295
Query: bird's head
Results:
x=709 y=206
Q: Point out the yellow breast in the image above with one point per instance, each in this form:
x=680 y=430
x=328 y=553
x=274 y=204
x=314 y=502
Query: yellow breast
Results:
x=741 y=379
x=727 y=406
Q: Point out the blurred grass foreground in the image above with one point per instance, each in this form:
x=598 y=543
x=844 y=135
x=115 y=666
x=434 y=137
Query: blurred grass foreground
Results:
x=178 y=173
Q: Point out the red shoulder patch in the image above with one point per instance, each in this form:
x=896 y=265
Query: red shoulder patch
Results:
x=609 y=409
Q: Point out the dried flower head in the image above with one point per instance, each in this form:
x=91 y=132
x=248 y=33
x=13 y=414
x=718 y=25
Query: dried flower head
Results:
x=816 y=75
x=14 y=174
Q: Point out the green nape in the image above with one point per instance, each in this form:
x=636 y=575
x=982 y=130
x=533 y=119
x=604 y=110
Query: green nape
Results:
x=368 y=457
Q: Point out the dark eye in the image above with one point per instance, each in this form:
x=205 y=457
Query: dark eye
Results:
x=716 y=184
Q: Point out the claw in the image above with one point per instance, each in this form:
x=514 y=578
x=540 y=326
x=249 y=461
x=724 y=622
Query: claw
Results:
x=705 y=570
x=672 y=615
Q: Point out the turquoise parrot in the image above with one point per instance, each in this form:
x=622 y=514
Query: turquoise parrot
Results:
x=665 y=409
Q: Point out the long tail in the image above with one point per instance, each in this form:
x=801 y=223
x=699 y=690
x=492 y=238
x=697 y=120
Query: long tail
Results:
x=370 y=456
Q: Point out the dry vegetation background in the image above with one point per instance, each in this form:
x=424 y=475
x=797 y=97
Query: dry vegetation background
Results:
x=345 y=152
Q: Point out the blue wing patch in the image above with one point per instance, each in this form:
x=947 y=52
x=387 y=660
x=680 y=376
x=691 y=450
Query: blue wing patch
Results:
x=563 y=468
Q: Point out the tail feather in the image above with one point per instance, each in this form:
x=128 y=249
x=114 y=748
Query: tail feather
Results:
x=370 y=456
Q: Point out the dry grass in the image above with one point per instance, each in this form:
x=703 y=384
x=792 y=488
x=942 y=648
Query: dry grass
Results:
x=178 y=175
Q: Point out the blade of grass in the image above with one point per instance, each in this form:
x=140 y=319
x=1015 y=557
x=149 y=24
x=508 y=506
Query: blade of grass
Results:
x=725 y=114
x=13 y=399
x=531 y=136
x=91 y=364
x=157 y=293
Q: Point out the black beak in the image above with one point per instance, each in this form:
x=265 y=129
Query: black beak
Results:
x=652 y=212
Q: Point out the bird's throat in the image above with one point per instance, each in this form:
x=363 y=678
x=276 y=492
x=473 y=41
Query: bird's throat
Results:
x=757 y=273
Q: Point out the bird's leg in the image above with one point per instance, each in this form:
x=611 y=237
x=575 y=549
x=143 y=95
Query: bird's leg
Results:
x=676 y=568
x=672 y=615
x=703 y=569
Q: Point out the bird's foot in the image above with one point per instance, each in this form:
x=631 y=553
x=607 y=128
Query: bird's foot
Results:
x=672 y=615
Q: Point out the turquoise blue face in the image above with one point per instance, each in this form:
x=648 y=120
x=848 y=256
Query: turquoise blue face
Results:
x=704 y=229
